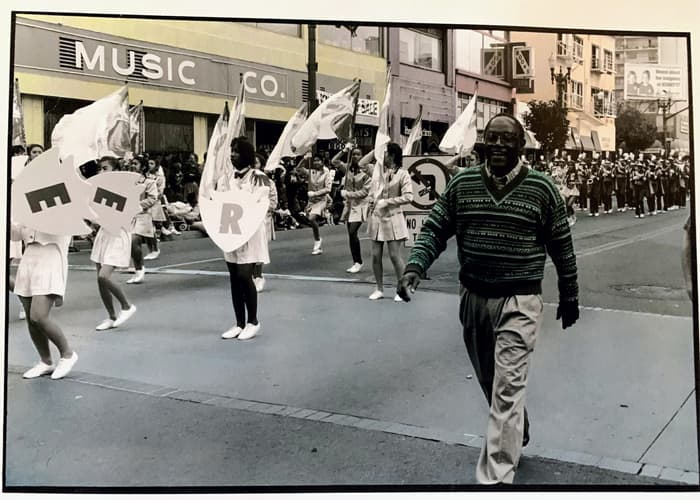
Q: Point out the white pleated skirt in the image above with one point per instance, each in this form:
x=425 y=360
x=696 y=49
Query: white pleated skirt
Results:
x=111 y=250
x=253 y=251
x=42 y=271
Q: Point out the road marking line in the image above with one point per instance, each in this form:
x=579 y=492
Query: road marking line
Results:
x=190 y=263
x=617 y=244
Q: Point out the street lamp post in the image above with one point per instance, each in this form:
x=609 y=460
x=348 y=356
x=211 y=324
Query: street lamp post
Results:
x=665 y=104
x=561 y=78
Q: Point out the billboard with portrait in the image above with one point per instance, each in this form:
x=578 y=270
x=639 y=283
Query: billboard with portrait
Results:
x=652 y=81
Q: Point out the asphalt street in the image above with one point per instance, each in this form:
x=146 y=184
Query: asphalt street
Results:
x=612 y=400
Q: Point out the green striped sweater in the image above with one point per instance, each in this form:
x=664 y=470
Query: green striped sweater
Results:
x=502 y=234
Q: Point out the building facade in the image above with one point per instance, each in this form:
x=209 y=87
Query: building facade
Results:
x=422 y=68
x=494 y=93
x=184 y=71
x=589 y=96
x=666 y=102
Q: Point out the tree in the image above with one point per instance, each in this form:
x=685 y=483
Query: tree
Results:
x=634 y=130
x=547 y=120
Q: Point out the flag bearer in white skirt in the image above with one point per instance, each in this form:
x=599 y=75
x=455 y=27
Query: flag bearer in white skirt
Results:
x=142 y=225
x=320 y=184
x=355 y=192
x=110 y=251
x=258 y=278
x=41 y=284
x=242 y=261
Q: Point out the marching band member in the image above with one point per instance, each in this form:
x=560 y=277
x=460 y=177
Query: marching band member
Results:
x=355 y=192
x=638 y=185
x=607 y=182
x=594 y=188
x=142 y=225
x=240 y=262
x=620 y=174
x=109 y=252
x=386 y=220
x=41 y=284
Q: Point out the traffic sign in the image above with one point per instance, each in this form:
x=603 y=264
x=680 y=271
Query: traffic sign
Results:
x=429 y=177
x=414 y=223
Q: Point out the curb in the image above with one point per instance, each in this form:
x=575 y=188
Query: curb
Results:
x=408 y=430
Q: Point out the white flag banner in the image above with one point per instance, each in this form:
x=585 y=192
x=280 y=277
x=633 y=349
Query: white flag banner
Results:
x=415 y=135
x=218 y=152
x=237 y=120
x=18 y=134
x=380 y=142
x=327 y=120
x=284 y=143
x=99 y=129
x=461 y=136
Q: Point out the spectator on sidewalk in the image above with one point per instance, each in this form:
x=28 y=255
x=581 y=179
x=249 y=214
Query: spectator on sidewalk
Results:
x=506 y=218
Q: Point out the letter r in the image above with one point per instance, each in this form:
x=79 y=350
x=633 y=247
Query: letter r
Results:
x=230 y=215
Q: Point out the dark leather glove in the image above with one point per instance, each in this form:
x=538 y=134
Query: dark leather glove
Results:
x=408 y=283
x=568 y=312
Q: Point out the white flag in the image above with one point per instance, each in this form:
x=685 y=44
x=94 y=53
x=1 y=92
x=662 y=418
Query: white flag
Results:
x=99 y=129
x=416 y=134
x=284 y=143
x=333 y=114
x=382 y=138
x=380 y=142
x=218 y=151
x=236 y=125
x=461 y=136
x=18 y=134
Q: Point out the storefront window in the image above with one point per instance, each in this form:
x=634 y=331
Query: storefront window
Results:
x=367 y=39
x=421 y=48
x=284 y=29
x=485 y=108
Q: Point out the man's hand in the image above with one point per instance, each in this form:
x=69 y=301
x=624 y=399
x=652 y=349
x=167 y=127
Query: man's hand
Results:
x=343 y=193
x=568 y=312
x=408 y=283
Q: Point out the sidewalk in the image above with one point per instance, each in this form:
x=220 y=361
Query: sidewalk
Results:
x=79 y=432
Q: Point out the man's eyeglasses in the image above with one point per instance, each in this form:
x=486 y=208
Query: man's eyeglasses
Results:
x=505 y=137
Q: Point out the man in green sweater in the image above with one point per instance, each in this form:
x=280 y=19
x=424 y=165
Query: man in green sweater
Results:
x=506 y=218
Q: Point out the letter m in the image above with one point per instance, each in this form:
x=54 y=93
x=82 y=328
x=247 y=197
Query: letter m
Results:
x=82 y=55
x=48 y=195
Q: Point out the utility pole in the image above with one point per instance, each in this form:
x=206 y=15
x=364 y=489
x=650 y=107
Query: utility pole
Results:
x=312 y=68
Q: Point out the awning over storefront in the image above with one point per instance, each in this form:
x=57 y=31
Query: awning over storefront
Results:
x=571 y=141
x=587 y=143
x=596 y=141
